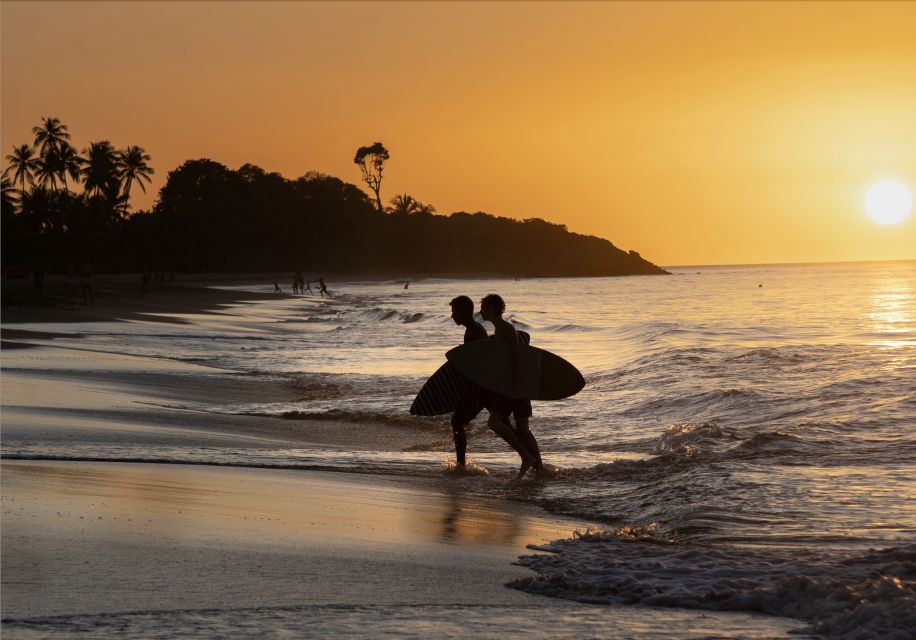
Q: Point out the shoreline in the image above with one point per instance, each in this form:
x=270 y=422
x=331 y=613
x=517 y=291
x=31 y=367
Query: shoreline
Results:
x=185 y=549
x=151 y=549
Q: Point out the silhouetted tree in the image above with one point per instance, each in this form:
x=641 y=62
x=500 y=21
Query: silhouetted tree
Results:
x=23 y=164
x=133 y=165
x=211 y=218
x=68 y=163
x=47 y=169
x=50 y=134
x=49 y=138
x=7 y=197
x=405 y=204
x=100 y=169
x=52 y=225
x=37 y=209
x=371 y=161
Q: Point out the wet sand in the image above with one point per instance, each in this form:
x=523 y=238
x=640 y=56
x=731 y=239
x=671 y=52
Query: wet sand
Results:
x=90 y=538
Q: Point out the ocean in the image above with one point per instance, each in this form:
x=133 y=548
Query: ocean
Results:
x=746 y=439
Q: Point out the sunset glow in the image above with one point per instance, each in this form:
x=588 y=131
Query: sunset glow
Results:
x=690 y=132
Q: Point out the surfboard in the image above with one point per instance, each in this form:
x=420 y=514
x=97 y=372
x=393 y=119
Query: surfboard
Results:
x=441 y=392
x=543 y=376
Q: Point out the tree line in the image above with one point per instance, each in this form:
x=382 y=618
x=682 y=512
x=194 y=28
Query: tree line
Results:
x=43 y=221
x=210 y=218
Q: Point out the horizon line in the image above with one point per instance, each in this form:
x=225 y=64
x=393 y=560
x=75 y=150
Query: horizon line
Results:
x=785 y=264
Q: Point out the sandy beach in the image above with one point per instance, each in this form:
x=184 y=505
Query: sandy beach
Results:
x=124 y=513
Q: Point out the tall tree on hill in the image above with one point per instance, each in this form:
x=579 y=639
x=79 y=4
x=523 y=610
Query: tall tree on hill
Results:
x=133 y=165
x=371 y=161
x=22 y=164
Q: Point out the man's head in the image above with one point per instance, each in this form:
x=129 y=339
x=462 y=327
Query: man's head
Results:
x=462 y=310
x=492 y=306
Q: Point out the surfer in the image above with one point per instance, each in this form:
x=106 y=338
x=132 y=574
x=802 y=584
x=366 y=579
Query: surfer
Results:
x=474 y=400
x=521 y=439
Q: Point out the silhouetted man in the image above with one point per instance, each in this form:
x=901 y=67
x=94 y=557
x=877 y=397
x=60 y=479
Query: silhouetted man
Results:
x=521 y=439
x=474 y=400
x=322 y=287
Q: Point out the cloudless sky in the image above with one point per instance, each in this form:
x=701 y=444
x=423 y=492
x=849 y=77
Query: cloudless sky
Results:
x=694 y=133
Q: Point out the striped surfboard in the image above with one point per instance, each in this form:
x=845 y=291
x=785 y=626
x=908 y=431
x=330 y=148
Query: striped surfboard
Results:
x=441 y=392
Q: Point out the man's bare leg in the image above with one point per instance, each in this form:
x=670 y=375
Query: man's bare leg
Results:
x=528 y=440
x=497 y=424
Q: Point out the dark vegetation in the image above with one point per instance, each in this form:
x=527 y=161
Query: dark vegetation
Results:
x=209 y=218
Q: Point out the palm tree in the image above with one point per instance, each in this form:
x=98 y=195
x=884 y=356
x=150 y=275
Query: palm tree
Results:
x=425 y=208
x=7 y=199
x=406 y=204
x=100 y=169
x=68 y=162
x=23 y=164
x=47 y=169
x=403 y=204
x=133 y=165
x=50 y=135
x=36 y=207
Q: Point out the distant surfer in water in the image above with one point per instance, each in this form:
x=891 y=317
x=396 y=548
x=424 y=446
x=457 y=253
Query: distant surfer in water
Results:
x=521 y=439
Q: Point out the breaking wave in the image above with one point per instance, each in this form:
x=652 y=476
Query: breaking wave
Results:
x=841 y=595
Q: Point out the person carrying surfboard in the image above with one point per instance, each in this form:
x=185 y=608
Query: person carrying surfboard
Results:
x=521 y=439
x=475 y=398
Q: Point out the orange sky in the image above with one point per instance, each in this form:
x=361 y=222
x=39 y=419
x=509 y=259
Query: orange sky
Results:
x=694 y=133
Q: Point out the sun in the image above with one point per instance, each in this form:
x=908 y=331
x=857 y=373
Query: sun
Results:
x=888 y=202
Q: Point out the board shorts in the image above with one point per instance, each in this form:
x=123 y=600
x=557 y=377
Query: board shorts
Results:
x=476 y=400
x=472 y=403
x=504 y=405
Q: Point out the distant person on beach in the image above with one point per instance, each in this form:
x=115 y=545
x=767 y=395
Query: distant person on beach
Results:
x=85 y=272
x=521 y=439
x=407 y=284
x=476 y=398
x=308 y=287
x=322 y=287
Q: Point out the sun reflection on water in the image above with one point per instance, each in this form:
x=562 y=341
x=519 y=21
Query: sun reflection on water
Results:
x=892 y=312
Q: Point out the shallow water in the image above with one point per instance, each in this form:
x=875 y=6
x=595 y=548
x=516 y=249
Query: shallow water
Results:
x=398 y=621
x=747 y=434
